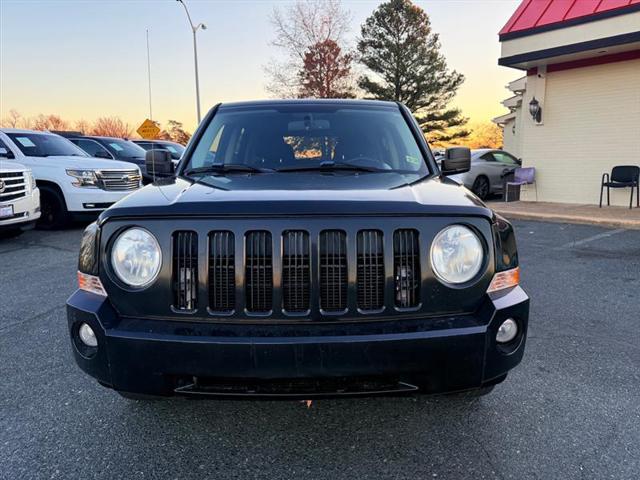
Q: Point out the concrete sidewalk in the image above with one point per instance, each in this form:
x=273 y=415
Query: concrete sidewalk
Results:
x=617 y=217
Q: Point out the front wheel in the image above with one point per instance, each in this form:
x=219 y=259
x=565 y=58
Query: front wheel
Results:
x=481 y=187
x=54 y=212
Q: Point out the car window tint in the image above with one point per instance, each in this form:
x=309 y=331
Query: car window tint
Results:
x=505 y=158
x=90 y=147
x=487 y=157
x=305 y=136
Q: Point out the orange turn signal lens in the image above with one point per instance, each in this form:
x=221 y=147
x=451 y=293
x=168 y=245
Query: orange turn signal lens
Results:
x=90 y=283
x=506 y=279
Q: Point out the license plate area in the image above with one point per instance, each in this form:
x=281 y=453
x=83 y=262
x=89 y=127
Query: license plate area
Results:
x=6 y=211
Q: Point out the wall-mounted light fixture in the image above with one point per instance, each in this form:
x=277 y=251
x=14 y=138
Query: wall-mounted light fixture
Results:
x=535 y=110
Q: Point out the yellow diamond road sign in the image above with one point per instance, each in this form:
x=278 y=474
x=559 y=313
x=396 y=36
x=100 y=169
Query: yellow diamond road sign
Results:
x=148 y=129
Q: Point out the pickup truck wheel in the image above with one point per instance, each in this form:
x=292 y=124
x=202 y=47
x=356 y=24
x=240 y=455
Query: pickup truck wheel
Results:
x=138 y=396
x=53 y=210
x=481 y=187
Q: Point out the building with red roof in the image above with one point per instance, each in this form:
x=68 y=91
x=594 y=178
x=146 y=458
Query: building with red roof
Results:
x=580 y=61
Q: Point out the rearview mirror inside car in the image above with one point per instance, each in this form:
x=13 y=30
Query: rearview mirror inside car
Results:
x=158 y=162
x=456 y=160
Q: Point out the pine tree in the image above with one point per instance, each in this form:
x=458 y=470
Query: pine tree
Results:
x=398 y=45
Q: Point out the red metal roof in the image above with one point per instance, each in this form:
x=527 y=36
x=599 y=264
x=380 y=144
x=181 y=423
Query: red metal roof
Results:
x=532 y=14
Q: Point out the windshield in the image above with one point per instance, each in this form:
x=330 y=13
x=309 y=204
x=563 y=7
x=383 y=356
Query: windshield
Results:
x=124 y=148
x=176 y=149
x=45 y=145
x=306 y=137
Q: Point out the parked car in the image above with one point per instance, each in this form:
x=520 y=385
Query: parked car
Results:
x=72 y=184
x=113 y=148
x=488 y=171
x=19 y=196
x=174 y=148
x=320 y=252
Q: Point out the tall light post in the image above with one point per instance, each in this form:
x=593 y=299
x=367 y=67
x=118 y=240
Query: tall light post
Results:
x=194 y=29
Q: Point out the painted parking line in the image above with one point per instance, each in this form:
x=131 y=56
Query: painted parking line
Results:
x=592 y=238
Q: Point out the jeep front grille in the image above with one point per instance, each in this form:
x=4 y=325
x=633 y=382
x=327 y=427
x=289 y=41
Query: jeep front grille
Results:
x=406 y=268
x=14 y=186
x=370 y=270
x=333 y=271
x=185 y=270
x=222 y=272
x=293 y=272
x=259 y=272
x=296 y=271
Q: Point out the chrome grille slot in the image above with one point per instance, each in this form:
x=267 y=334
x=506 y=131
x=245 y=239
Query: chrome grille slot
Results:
x=259 y=272
x=406 y=268
x=119 y=179
x=15 y=186
x=370 y=270
x=185 y=270
x=296 y=272
x=333 y=271
x=222 y=272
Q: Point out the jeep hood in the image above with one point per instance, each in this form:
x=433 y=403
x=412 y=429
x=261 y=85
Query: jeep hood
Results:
x=301 y=194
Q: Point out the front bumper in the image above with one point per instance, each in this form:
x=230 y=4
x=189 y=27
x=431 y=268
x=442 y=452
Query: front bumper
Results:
x=304 y=360
x=84 y=200
x=26 y=210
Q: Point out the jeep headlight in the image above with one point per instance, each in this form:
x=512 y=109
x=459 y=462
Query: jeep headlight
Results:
x=136 y=257
x=84 y=178
x=456 y=254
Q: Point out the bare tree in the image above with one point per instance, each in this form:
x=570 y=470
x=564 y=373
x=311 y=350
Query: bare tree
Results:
x=111 y=127
x=13 y=120
x=298 y=28
x=49 y=122
x=83 y=127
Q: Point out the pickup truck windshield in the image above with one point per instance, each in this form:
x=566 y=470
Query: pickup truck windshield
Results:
x=306 y=137
x=45 y=145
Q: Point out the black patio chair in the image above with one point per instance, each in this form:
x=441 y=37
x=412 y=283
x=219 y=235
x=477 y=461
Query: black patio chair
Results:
x=622 y=176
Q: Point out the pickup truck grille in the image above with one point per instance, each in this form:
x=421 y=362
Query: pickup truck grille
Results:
x=119 y=180
x=14 y=186
x=293 y=258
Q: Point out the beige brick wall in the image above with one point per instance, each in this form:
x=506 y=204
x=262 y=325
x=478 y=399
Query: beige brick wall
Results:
x=591 y=122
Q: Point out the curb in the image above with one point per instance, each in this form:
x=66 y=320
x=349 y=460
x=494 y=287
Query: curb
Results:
x=631 y=225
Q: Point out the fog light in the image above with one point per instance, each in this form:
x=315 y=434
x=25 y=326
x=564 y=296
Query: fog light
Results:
x=507 y=331
x=87 y=335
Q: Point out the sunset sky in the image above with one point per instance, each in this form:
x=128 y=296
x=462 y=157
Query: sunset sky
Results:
x=86 y=59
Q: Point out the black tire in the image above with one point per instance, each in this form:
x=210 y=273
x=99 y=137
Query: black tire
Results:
x=481 y=187
x=54 y=213
x=139 y=397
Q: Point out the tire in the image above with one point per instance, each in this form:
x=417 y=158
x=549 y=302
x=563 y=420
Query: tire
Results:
x=139 y=397
x=54 y=213
x=481 y=187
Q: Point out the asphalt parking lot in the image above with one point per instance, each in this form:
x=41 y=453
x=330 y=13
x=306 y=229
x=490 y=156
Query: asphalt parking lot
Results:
x=571 y=410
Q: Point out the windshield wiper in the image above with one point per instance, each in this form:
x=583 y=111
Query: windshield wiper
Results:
x=329 y=166
x=224 y=168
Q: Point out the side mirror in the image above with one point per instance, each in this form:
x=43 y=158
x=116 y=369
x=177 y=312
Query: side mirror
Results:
x=519 y=161
x=103 y=154
x=8 y=154
x=456 y=160
x=158 y=162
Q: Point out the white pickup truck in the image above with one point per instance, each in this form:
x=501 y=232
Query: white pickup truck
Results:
x=19 y=197
x=72 y=184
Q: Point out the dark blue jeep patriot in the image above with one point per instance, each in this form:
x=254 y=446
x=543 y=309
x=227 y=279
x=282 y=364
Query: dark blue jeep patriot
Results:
x=302 y=249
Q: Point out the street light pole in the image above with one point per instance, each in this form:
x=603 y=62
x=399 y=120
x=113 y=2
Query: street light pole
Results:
x=194 y=29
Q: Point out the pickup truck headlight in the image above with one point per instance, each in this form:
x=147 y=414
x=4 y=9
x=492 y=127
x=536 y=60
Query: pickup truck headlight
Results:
x=456 y=254
x=136 y=257
x=30 y=181
x=84 y=178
